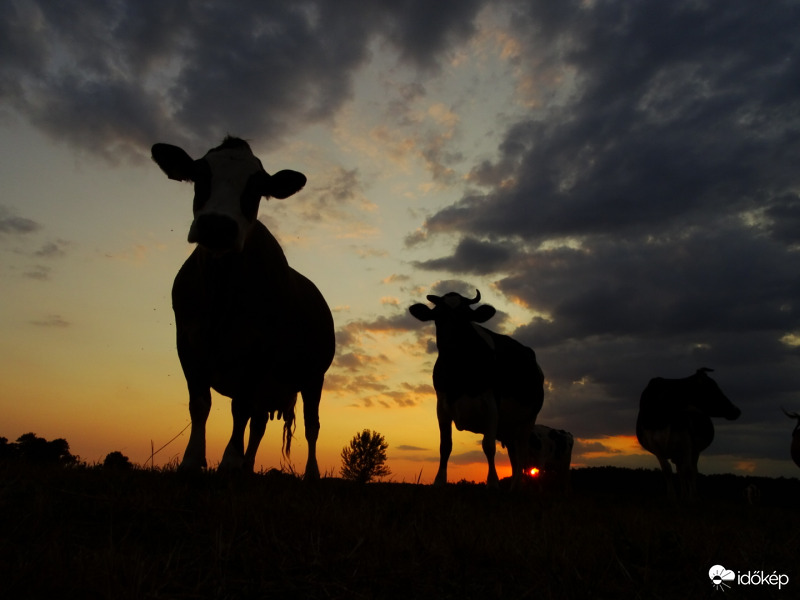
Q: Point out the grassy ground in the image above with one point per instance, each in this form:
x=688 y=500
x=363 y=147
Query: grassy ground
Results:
x=90 y=533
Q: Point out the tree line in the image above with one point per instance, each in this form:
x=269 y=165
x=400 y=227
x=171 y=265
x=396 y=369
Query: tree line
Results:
x=33 y=449
x=362 y=460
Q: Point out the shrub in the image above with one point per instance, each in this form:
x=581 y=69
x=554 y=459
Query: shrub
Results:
x=117 y=461
x=363 y=460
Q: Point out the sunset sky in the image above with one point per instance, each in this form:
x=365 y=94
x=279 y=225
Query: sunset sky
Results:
x=620 y=180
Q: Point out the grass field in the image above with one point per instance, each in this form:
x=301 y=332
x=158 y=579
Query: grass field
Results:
x=93 y=533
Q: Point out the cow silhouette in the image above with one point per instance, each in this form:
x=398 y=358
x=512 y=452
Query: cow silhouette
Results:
x=674 y=423
x=485 y=383
x=550 y=451
x=248 y=325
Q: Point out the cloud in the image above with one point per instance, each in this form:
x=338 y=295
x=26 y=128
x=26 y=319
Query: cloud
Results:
x=113 y=77
x=13 y=224
x=646 y=208
x=473 y=256
x=52 y=249
x=51 y=321
x=466 y=458
x=38 y=272
x=395 y=278
x=368 y=351
x=655 y=134
x=407 y=448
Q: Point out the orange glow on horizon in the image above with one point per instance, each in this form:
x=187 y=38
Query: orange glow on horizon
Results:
x=609 y=446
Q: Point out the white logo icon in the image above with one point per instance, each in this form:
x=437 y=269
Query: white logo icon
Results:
x=719 y=575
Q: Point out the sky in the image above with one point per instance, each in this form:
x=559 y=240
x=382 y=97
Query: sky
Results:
x=618 y=178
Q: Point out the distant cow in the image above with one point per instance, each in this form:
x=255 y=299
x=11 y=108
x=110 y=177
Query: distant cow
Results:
x=674 y=423
x=248 y=325
x=795 y=450
x=550 y=451
x=485 y=382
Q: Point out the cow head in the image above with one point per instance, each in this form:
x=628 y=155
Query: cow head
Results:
x=710 y=399
x=229 y=183
x=452 y=307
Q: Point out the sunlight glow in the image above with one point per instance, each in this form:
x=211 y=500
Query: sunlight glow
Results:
x=791 y=339
x=610 y=446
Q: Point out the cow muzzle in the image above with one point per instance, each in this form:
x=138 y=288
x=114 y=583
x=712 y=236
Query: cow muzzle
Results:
x=215 y=232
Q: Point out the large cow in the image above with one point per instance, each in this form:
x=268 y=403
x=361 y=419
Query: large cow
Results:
x=485 y=382
x=795 y=448
x=248 y=325
x=674 y=423
x=550 y=453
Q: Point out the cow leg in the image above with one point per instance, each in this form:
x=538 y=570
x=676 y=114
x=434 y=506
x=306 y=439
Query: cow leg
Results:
x=666 y=468
x=687 y=476
x=512 y=456
x=311 y=397
x=258 y=425
x=489 y=445
x=233 y=457
x=445 y=440
x=445 y=448
x=194 y=459
x=518 y=453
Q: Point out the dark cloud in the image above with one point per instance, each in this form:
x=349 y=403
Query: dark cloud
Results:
x=473 y=256
x=52 y=249
x=407 y=448
x=51 y=321
x=113 y=77
x=677 y=114
x=11 y=223
x=647 y=208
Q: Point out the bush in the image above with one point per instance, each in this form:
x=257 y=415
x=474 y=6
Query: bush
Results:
x=31 y=448
x=117 y=461
x=363 y=460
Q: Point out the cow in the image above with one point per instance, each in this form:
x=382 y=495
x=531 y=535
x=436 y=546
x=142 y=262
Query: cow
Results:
x=485 y=383
x=248 y=325
x=550 y=454
x=674 y=424
x=795 y=449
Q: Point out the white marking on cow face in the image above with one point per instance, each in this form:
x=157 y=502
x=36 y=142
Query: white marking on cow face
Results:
x=226 y=202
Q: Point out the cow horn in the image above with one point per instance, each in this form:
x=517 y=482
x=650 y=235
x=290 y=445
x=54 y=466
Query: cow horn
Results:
x=476 y=299
x=791 y=415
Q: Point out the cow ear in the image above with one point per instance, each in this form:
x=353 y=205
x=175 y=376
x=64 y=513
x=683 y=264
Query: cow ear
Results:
x=483 y=313
x=174 y=162
x=422 y=312
x=284 y=183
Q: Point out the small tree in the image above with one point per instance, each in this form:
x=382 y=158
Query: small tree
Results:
x=117 y=461
x=363 y=460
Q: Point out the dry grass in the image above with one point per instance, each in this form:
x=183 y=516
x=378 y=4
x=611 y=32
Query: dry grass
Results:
x=90 y=533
